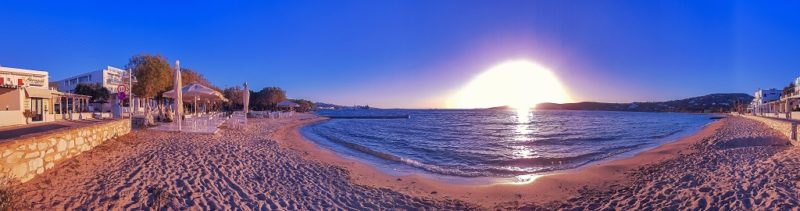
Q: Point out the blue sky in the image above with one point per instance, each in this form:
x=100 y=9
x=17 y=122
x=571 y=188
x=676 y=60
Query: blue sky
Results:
x=417 y=53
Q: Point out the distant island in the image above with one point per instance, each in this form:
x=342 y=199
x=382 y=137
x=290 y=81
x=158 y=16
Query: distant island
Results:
x=330 y=106
x=703 y=104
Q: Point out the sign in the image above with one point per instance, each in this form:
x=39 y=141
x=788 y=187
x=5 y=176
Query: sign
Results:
x=121 y=95
x=122 y=88
x=22 y=79
x=35 y=81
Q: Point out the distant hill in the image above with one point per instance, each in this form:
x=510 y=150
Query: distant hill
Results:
x=327 y=105
x=321 y=105
x=702 y=104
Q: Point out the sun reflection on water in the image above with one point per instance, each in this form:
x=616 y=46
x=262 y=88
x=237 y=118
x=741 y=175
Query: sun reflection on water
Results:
x=523 y=115
x=523 y=121
x=522 y=130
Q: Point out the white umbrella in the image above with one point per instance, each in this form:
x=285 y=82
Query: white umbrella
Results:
x=246 y=98
x=178 y=94
x=288 y=104
x=195 y=91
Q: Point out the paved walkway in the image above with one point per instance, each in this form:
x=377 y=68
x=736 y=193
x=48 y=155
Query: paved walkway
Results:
x=11 y=132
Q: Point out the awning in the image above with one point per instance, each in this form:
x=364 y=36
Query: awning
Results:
x=38 y=92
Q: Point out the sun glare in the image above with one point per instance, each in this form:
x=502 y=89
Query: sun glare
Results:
x=518 y=84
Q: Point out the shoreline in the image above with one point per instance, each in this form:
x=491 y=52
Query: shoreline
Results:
x=237 y=169
x=558 y=186
x=269 y=165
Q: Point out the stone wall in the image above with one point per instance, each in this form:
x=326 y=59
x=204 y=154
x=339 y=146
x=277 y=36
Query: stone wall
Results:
x=787 y=127
x=26 y=157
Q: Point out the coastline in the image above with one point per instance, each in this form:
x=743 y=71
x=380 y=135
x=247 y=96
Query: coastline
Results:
x=558 y=186
x=269 y=165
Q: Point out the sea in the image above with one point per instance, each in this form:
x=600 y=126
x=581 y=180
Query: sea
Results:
x=494 y=143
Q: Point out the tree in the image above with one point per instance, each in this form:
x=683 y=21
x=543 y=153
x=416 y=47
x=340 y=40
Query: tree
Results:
x=788 y=90
x=188 y=76
x=253 y=105
x=305 y=105
x=234 y=95
x=98 y=93
x=153 y=77
x=267 y=98
x=152 y=73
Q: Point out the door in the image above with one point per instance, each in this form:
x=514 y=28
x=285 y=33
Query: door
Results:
x=37 y=108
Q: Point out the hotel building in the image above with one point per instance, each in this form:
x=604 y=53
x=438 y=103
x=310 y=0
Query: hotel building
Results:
x=109 y=77
x=24 y=90
x=759 y=105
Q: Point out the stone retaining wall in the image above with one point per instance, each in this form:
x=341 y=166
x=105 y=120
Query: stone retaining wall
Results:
x=787 y=127
x=26 y=157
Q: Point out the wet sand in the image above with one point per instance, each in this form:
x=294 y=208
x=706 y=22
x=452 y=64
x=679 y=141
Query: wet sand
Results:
x=735 y=163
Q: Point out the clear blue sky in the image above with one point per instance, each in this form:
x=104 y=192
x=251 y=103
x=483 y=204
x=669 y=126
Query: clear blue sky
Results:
x=416 y=53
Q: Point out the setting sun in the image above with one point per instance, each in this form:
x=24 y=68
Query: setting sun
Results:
x=519 y=84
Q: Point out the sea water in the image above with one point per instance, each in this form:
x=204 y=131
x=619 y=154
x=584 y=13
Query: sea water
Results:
x=491 y=143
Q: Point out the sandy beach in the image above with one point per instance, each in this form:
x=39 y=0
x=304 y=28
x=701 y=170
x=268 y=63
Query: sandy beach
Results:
x=235 y=169
x=401 y=105
x=733 y=163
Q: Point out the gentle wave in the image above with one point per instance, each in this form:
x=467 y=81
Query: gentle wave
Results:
x=495 y=143
x=390 y=157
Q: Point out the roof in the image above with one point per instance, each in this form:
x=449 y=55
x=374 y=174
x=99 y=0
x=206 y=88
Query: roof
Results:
x=107 y=68
x=115 y=69
x=38 y=92
x=287 y=103
x=47 y=93
x=25 y=71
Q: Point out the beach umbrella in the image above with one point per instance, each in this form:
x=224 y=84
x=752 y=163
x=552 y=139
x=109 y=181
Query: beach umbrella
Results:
x=196 y=91
x=288 y=104
x=178 y=94
x=246 y=98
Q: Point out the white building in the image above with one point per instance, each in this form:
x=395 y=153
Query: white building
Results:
x=768 y=95
x=109 y=77
x=24 y=90
x=762 y=97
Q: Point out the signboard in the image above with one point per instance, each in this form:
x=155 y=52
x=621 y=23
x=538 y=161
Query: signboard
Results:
x=121 y=89
x=113 y=78
x=35 y=81
x=22 y=79
x=121 y=95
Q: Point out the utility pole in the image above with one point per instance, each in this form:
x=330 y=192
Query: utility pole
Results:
x=130 y=93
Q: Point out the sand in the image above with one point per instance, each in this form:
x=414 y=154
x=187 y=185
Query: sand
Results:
x=233 y=170
x=739 y=165
x=733 y=163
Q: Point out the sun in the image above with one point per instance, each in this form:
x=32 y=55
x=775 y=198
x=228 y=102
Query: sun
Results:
x=519 y=84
